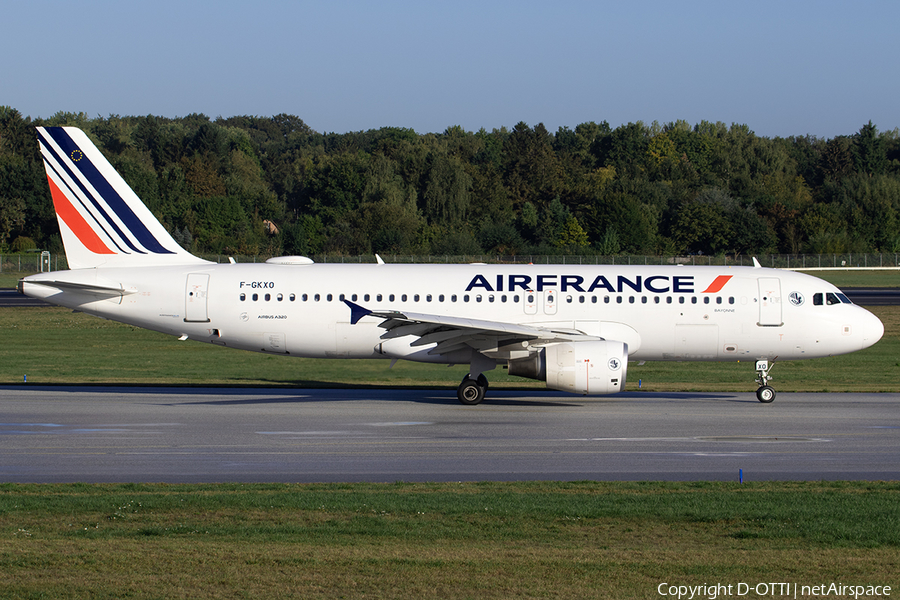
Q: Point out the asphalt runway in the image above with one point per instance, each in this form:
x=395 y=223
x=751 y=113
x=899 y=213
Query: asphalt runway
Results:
x=115 y=434
x=14 y=298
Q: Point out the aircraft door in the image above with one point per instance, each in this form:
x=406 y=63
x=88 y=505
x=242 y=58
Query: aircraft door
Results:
x=530 y=300
x=770 y=302
x=195 y=298
x=551 y=298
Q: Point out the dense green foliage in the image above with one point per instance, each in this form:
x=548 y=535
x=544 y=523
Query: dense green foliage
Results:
x=272 y=185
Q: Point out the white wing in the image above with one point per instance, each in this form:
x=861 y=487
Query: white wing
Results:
x=454 y=333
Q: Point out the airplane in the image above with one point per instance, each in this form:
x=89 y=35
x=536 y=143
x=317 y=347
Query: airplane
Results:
x=574 y=327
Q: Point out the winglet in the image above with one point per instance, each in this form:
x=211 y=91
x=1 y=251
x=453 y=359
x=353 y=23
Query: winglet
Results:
x=357 y=312
x=756 y=264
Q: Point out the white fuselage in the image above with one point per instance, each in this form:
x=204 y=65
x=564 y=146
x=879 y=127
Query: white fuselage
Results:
x=662 y=313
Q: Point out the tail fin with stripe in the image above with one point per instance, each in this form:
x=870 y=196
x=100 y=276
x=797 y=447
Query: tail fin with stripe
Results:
x=102 y=221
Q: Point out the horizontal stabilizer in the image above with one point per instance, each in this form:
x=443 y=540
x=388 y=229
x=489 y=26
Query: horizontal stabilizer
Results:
x=85 y=288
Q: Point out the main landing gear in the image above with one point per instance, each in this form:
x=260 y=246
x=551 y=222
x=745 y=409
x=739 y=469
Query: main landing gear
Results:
x=471 y=391
x=765 y=393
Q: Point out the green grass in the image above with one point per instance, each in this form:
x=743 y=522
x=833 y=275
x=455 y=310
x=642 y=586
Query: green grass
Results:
x=473 y=540
x=55 y=346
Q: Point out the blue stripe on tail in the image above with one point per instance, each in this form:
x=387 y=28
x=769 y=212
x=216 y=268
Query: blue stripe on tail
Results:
x=109 y=194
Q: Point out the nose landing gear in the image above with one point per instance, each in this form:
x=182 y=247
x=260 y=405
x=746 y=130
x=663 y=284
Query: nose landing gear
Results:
x=765 y=393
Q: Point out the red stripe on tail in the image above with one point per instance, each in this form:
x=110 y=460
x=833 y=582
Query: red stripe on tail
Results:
x=74 y=221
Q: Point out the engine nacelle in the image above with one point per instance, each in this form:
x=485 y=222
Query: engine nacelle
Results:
x=578 y=367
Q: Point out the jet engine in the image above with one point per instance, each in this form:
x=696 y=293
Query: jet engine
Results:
x=578 y=367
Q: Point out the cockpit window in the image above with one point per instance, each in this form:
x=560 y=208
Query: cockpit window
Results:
x=830 y=298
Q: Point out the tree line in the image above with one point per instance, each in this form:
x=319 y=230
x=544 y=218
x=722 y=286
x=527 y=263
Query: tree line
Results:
x=272 y=185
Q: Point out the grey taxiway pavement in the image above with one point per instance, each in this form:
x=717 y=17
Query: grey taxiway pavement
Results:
x=115 y=434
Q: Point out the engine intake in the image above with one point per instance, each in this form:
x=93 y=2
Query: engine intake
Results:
x=578 y=367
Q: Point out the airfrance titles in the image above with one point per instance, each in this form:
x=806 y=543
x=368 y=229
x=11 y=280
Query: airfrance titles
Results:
x=655 y=284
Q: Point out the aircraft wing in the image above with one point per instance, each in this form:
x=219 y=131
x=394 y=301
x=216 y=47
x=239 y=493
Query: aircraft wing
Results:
x=454 y=333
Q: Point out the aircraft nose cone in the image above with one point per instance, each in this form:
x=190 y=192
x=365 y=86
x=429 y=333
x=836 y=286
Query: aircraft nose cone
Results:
x=872 y=330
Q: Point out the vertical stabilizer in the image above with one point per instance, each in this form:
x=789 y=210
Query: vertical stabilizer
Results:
x=102 y=221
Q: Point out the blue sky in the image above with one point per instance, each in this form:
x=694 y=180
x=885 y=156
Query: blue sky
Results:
x=782 y=67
